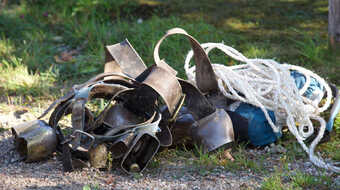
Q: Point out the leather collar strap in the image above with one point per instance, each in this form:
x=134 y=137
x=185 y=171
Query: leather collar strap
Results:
x=205 y=76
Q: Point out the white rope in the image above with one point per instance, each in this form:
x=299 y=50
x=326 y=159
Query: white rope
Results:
x=268 y=85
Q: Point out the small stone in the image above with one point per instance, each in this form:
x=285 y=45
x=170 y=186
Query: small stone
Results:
x=13 y=160
x=267 y=149
x=281 y=149
x=134 y=168
x=57 y=38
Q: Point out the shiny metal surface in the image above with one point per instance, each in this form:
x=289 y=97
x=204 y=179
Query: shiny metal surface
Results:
x=35 y=140
x=143 y=148
x=124 y=56
x=164 y=83
x=214 y=131
x=119 y=118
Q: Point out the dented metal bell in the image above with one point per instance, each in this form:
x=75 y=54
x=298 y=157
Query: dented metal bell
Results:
x=143 y=148
x=214 y=131
x=98 y=156
x=34 y=140
x=121 y=145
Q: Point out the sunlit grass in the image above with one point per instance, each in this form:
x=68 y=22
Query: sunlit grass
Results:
x=6 y=47
x=305 y=181
x=257 y=52
x=274 y=182
x=237 y=24
x=295 y=180
x=16 y=80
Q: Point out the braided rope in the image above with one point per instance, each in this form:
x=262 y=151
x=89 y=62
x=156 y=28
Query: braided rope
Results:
x=268 y=84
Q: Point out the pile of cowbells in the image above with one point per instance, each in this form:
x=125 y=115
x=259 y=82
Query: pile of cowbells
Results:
x=146 y=108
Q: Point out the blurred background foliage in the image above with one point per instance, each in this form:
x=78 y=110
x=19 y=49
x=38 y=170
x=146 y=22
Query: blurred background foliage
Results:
x=62 y=42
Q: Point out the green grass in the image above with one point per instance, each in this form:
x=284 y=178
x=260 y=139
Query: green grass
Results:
x=33 y=32
x=42 y=30
x=332 y=147
x=91 y=187
x=295 y=180
x=305 y=181
x=273 y=182
x=17 y=80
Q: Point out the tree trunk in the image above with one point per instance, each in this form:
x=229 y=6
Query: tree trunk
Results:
x=3 y=3
x=334 y=23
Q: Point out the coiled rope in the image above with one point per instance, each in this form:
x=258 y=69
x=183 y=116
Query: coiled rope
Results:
x=268 y=84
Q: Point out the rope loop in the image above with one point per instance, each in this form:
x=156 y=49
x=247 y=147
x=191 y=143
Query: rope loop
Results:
x=268 y=85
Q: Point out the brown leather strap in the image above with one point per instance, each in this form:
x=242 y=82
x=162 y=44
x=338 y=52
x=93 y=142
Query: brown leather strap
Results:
x=78 y=121
x=56 y=115
x=205 y=76
x=56 y=103
x=67 y=158
x=101 y=77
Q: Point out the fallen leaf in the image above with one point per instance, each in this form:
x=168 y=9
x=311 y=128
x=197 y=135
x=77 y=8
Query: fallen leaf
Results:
x=57 y=59
x=228 y=155
x=65 y=56
x=109 y=180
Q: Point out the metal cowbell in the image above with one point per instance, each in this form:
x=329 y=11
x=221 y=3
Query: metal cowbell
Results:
x=200 y=122
x=98 y=156
x=143 y=148
x=121 y=145
x=214 y=131
x=118 y=118
x=158 y=81
x=34 y=140
x=122 y=57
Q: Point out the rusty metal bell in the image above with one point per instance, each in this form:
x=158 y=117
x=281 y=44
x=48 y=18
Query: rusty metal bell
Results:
x=34 y=140
x=143 y=147
x=122 y=57
x=118 y=117
x=121 y=145
x=98 y=156
x=214 y=131
x=142 y=150
x=201 y=123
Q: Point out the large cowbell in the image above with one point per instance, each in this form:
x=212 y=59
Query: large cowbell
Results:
x=34 y=140
x=199 y=120
x=142 y=149
x=157 y=81
x=200 y=123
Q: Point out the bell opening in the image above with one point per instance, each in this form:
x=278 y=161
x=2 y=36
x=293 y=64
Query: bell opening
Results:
x=141 y=153
x=21 y=144
x=118 y=150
